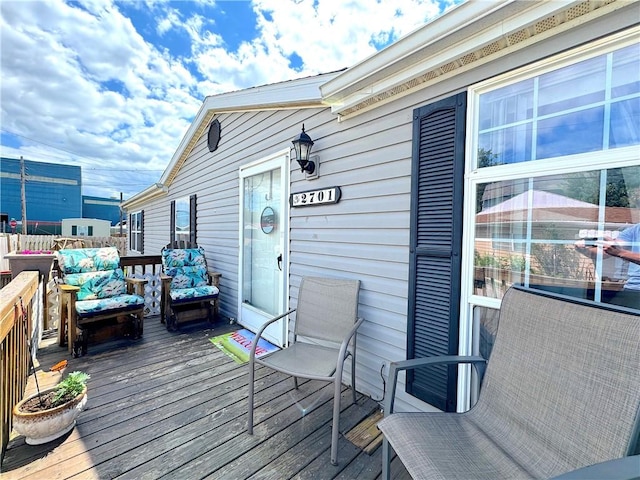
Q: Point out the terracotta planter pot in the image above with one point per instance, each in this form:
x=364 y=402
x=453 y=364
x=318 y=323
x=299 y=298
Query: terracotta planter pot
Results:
x=47 y=425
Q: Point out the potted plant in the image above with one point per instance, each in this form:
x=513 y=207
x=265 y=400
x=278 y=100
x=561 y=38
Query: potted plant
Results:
x=49 y=414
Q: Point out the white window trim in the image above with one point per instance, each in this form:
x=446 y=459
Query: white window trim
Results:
x=603 y=159
x=133 y=233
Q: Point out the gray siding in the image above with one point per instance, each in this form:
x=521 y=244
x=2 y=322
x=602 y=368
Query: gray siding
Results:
x=365 y=235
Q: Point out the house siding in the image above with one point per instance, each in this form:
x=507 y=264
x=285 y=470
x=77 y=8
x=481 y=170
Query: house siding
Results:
x=364 y=236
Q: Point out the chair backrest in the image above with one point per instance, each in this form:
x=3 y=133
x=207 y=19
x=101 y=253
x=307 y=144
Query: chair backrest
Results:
x=95 y=270
x=187 y=267
x=562 y=385
x=327 y=308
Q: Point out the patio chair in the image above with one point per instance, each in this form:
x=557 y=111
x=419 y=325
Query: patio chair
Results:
x=188 y=287
x=324 y=336
x=561 y=392
x=94 y=289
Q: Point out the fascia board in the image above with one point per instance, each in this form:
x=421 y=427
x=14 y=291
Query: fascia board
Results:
x=461 y=29
x=139 y=199
x=292 y=94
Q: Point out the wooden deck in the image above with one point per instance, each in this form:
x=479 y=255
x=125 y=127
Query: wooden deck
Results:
x=172 y=405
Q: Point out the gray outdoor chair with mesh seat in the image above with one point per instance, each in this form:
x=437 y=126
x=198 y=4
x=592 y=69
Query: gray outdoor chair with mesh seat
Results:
x=561 y=392
x=324 y=336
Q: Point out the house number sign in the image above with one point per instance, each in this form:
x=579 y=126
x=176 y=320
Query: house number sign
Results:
x=315 y=197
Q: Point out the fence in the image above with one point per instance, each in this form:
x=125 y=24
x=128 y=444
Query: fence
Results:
x=15 y=242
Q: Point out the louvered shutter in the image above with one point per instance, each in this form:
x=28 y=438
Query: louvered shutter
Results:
x=436 y=246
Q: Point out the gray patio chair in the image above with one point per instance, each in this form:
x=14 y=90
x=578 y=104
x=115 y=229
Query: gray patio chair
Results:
x=324 y=336
x=561 y=392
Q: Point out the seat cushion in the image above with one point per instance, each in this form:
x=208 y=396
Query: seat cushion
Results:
x=186 y=295
x=303 y=359
x=98 y=285
x=471 y=455
x=123 y=302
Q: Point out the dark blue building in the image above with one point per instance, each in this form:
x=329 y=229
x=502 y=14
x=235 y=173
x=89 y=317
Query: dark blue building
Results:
x=52 y=191
x=102 y=208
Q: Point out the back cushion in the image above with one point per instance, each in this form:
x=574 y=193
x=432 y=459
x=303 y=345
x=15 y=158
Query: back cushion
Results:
x=186 y=266
x=81 y=260
x=97 y=285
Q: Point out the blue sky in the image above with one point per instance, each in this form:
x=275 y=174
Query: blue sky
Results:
x=113 y=86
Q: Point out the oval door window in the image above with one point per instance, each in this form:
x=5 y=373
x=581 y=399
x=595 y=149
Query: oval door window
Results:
x=268 y=220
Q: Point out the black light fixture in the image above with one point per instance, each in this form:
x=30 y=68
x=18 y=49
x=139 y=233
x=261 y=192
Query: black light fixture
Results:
x=302 y=145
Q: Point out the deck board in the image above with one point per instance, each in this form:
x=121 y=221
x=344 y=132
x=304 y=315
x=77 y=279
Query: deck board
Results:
x=172 y=405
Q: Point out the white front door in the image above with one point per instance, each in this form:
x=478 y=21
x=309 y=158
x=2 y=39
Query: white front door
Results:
x=264 y=231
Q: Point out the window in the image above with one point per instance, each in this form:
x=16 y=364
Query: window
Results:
x=573 y=132
x=183 y=220
x=587 y=106
x=136 y=236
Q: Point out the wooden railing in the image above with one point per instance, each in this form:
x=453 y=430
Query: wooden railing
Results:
x=21 y=320
x=19 y=324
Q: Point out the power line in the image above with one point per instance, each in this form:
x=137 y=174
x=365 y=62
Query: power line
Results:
x=76 y=154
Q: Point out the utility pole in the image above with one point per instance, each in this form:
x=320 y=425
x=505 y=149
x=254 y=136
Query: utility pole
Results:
x=23 y=196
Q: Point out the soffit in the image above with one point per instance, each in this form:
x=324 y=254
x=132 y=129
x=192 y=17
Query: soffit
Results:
x=466 y=37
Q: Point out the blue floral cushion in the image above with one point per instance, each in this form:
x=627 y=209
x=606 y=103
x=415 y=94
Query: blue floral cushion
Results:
x=97 y=285
x=186 y=294
x=121 y=302
x=186 y=266
x=80 y=260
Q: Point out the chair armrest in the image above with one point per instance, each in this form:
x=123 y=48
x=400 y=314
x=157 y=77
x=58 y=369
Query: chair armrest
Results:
x=264 y=326
x=136 y=285
x=625 y=468
x=68 y=289
x=214 y=278
x=478 y=362
x=345 y=343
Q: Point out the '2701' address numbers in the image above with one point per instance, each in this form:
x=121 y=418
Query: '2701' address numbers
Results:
x=315 y=197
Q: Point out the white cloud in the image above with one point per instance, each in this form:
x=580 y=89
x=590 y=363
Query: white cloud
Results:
x=81 y=85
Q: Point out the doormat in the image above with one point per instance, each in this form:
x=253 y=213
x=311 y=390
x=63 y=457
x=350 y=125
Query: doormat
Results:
x=237 y=345
x=366 y=435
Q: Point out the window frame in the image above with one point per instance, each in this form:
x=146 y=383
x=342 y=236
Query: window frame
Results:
x=474 y=176
x=136 y=231
x=191 y=201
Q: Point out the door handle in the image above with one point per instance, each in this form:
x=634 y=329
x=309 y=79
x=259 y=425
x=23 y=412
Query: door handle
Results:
x=280 y=262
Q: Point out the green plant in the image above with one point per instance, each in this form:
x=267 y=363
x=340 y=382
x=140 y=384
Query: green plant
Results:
x=70 y=387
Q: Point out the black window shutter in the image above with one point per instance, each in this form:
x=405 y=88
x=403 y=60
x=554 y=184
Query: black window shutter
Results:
x=192 y=219
x=141 y=243
x=436 y=246
x=172 y=223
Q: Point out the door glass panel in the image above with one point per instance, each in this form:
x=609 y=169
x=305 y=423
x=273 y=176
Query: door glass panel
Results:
x=261 y=242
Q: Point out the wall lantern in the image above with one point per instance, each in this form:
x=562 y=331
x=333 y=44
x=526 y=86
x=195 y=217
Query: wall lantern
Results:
x=302 y=145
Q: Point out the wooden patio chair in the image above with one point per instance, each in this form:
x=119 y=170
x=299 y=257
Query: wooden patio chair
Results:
x=561 y=392
x=188 y=288
x=93 y=290
x=324 y=336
